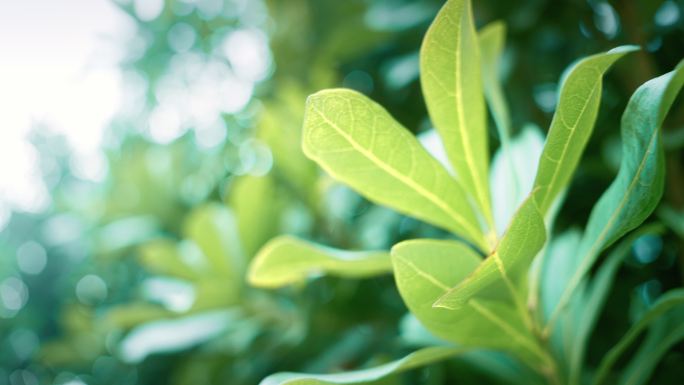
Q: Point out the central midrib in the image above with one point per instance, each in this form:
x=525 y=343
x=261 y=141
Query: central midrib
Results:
x=567 y=142
x=436 y=200
x=465 y=138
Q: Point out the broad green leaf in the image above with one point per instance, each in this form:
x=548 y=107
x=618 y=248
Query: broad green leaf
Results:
x=594 y=297
x=425 y=270
x=492 y=39
x=572 y=124
x=509 y=189
x=286 y=260
x=253 y=200
x=499 y=275
x=674 y=299
x=213 y=229
x=357 y=142
x=452 y=85
x=637 y=189
x=414 y=360
x=662 y=336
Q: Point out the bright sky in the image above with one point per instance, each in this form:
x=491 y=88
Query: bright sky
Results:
x=58 y=67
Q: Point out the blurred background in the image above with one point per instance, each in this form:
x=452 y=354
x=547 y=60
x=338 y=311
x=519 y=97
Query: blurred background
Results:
x=148 y=148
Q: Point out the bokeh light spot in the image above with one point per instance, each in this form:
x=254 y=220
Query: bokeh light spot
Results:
x=31 y=258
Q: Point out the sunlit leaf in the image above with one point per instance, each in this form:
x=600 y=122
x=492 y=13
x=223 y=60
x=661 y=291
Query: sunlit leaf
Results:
x=452 y=85
x=286 y=260
x=572 y=124
x=359 y=143
x=426 y=269
x=414 y=360
x=500 y=275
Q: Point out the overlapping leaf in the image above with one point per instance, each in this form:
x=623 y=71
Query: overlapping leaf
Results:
x=359 y=143
x=498 y=276
x=426 y=269
x=638 y=186
x=452 y=85
x=572 y=124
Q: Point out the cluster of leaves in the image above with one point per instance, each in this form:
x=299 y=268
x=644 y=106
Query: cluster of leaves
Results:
x=510 y=290
x=145 y=280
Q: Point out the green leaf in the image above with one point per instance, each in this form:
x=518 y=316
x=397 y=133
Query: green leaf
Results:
x=492 y=39
x=637 y=189
x=674 y=299
x=286 y=260
x=452 y=85
x=254 y=202
x=357 y=142
x=426 y=269
x=572 y=124
x=499 y=275
x=414 y=360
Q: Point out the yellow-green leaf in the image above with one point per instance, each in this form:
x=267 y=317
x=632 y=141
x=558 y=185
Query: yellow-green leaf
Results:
x=499 y=276
x=426 y=269
x=452 y=85
x=357 y=142
x=572 y=124
x=286 y=260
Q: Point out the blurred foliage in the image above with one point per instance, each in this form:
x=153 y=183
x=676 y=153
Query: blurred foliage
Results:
x=140 y=278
